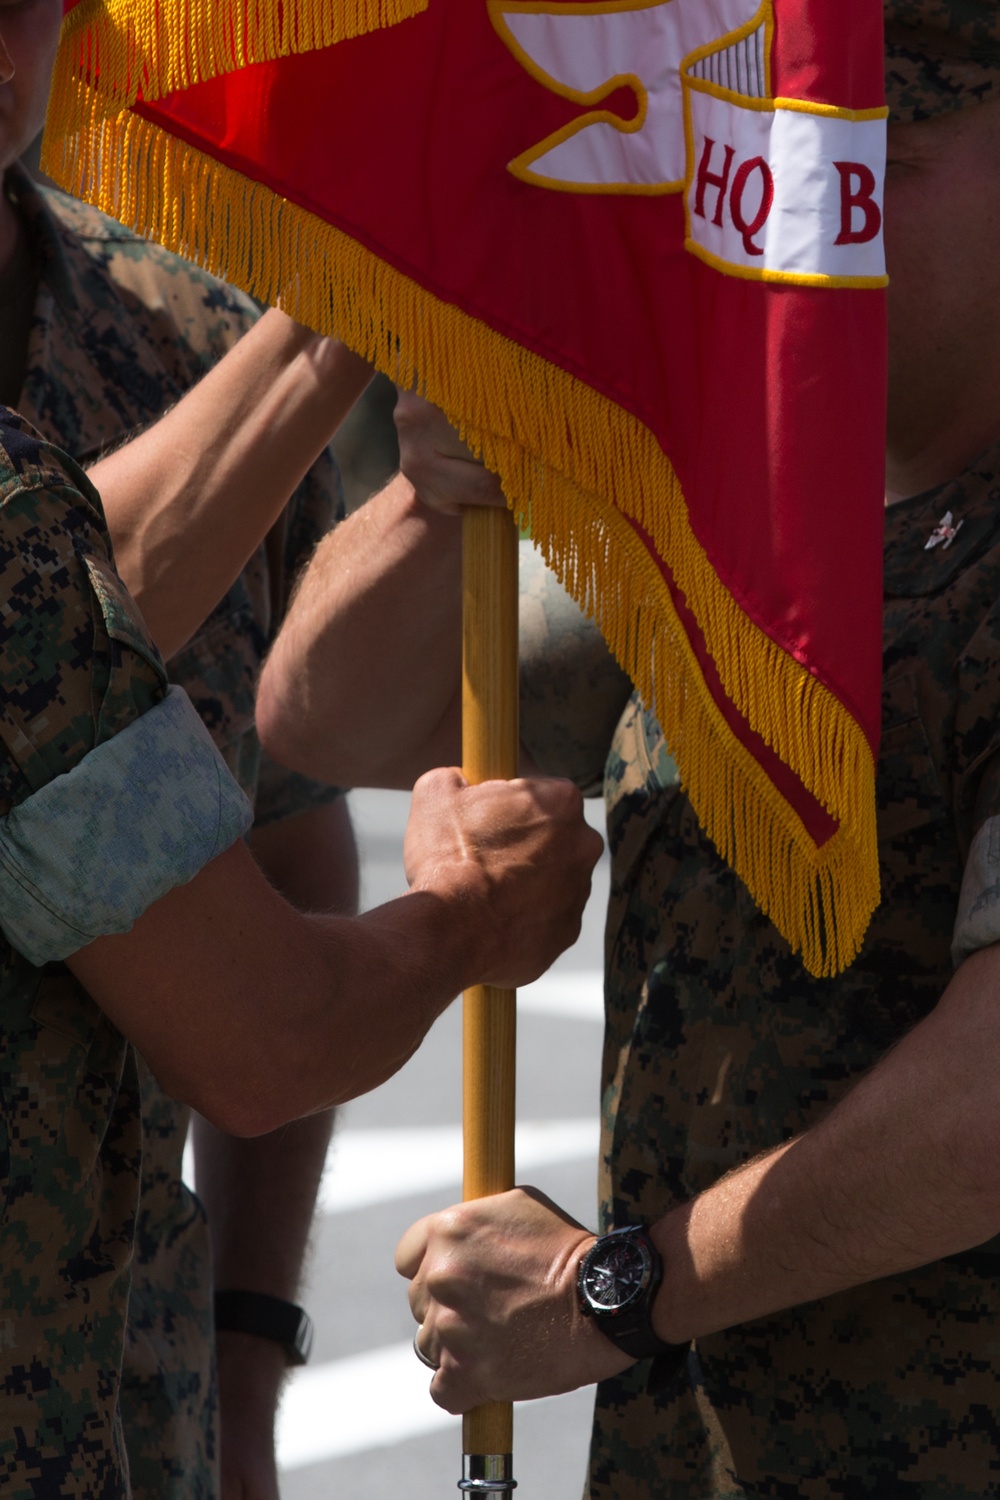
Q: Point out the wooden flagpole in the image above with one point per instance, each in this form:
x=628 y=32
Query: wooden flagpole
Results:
x=489 y=751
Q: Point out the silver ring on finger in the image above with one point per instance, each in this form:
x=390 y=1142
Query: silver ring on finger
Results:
x=423 y=1358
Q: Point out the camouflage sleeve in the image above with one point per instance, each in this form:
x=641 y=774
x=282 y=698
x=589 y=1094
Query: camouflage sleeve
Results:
x=107 y=799
x=977 y=923
x=191 y=319
x=572 y=690
x=977 y=796
x=141 y=813
x=315 y=508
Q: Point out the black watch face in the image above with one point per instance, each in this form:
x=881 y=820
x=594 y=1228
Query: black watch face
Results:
x=616 y=1274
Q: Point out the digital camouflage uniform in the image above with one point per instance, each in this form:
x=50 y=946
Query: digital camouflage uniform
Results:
x=111 y=793
x=121 y=330
x=719 y=1045
x=940 y=55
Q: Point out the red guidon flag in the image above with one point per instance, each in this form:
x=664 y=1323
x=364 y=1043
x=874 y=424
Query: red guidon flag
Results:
x=634 y=250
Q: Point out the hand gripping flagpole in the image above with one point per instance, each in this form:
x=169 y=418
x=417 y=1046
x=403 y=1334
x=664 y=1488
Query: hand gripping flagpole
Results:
x=489 y=751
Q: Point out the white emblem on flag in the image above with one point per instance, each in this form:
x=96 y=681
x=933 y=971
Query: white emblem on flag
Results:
x=586 y=52
x=741 y=67
x=775 y=189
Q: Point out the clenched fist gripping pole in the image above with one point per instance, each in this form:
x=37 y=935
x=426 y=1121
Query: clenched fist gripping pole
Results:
x=489 y=751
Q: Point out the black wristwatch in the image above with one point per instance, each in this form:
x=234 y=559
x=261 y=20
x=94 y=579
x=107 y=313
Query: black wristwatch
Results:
x=268 y=1318
x=617 y=1280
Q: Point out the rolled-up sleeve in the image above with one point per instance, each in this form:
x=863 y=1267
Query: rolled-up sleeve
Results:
x=572 y=691
x=977 y=920
x=977 y=924
x=143 y=812
x=111 y=791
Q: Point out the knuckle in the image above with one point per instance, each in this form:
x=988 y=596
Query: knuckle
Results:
x=448 y=1330
x=452 y=1222
x=565 y=796
x=444 y=1394
x=440 y=779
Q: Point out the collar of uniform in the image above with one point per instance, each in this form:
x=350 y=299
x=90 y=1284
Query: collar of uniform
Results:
x=46 y=242
x=973 y=499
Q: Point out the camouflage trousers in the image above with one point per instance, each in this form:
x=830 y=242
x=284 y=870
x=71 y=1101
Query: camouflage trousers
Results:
x=71 y=1158
x=87 y=1410
x=168 y=1392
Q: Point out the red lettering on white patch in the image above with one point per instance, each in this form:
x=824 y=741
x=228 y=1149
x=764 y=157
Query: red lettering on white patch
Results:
x=708 y=179
x=748 y=228
x=862 y=197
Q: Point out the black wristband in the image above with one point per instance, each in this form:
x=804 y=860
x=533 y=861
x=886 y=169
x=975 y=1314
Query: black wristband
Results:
x=621 y=1300
x=268 y=1318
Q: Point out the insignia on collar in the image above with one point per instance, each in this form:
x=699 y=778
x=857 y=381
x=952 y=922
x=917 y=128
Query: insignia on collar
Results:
x=944 y=532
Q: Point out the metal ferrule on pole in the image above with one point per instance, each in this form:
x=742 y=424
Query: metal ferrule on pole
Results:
x=487 y=1474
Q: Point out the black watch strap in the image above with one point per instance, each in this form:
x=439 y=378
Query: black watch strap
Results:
x=267 y=1318
x=639 y=1340
x=631 y=1329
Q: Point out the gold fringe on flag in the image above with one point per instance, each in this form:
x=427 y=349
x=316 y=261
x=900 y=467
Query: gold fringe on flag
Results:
x=503 y=399
x=125 y=48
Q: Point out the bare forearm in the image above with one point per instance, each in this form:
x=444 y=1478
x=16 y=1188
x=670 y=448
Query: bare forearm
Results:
x=256 y=1015
x=260 y=1196
x=903 y=1171
x=304 y=1012
x=311 y=857
x=189 y=501
x=377 y=613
